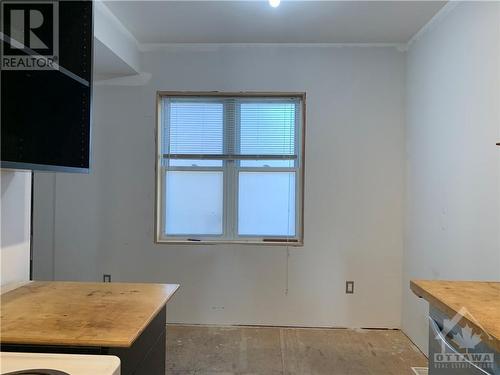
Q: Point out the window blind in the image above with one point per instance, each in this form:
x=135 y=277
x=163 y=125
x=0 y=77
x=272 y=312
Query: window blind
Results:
x=231 y=128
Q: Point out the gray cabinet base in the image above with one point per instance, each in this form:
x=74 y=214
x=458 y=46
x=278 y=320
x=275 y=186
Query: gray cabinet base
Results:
x=446 y=357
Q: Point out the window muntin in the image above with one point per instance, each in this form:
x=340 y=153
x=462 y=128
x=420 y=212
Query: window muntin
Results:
x=253 y=144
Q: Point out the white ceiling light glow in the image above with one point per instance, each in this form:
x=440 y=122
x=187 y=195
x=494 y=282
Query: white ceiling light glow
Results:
x=274 y=3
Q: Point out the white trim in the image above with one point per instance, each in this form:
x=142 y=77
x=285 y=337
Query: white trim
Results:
x=201 y=1
x=284 y=242
x=151 y=47
x=231 y=169
x=140 y=79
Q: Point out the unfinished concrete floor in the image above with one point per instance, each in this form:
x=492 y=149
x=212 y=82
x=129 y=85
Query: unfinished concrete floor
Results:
x=262 y=350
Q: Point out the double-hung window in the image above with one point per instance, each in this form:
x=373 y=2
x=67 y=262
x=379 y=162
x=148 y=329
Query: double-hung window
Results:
x=230 y=168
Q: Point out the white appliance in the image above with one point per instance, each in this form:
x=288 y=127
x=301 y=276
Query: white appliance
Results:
x=59 y=364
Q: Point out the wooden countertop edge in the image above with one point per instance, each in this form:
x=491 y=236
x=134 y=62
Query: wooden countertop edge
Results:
x=151 y=317
x=420 y=292
x=94 y=343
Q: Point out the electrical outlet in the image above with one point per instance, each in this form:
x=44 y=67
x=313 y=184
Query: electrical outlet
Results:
x=106 y=278
x=349 y=287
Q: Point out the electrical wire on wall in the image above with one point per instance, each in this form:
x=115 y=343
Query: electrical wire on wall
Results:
x=287 y=269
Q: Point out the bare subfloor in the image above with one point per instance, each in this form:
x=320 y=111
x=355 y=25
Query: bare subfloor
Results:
x=262 y=350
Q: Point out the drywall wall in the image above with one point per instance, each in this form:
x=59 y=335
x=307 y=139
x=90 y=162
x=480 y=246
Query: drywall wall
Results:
x=43 y=225
x=353 y=192
x=66 y=225
x=15 y=226
x=453 y=170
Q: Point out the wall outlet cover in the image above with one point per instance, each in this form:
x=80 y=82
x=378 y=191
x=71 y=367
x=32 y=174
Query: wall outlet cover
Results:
x=349 y=287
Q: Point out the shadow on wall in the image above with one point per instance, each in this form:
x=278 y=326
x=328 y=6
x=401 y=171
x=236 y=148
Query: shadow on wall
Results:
x=13 y=208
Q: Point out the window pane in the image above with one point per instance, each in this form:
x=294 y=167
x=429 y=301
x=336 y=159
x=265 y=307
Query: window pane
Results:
x=267 y=128
x=195 y=128
x=194 y=203
x=268 y=163
x=266 y=203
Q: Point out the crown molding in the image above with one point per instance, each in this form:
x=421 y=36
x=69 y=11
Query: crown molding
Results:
x=433 y=22
x=151 y=47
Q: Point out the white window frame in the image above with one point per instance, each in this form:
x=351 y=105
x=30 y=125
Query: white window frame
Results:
x=231 y=167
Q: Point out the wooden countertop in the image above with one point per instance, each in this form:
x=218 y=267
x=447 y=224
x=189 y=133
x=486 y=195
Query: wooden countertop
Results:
x=480 y=299
x=81 y=314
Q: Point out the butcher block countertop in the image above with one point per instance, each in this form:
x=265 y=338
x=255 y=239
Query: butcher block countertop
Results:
x=80 y=314
x=480 y=299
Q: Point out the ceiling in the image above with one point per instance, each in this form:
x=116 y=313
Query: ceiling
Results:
x=254 y=21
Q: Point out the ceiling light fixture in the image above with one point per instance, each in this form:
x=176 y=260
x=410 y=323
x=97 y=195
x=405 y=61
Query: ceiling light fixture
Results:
x=274 y=3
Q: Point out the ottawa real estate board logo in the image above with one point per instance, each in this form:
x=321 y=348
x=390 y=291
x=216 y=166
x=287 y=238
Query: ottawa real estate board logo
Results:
x=462 y=347
x=30 y=35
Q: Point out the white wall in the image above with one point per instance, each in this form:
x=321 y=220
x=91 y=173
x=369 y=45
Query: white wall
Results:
x=66 y=225
x=453 y=169
x=15 y=226
x=353 y=194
